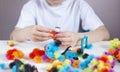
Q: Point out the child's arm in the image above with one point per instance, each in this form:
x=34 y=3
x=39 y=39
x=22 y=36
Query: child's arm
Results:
x=68 y=38
x=100 y=34
x=35 y=33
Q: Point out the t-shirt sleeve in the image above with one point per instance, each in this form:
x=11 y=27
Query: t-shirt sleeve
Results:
x=90 y=21
x=27 y=16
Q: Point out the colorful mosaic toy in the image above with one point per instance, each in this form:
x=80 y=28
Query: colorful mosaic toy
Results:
x=77 y=61
x=14 y=54
x=115 y=49
x=72 y=60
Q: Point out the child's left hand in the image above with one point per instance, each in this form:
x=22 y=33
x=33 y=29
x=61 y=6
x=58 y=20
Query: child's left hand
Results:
x=67 y=38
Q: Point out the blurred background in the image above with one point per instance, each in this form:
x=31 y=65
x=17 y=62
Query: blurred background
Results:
x=107 y=10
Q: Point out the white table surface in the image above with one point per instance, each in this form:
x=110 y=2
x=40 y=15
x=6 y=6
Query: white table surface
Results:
x=98 y=49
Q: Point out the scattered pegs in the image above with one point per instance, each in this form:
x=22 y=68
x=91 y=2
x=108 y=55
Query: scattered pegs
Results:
x=51 y=48
x=18 y=66
x=36 y=55
x=85 y=44
x=54 y=32
x=14 y=53
x=115 y=49
x=104 y=63
x=2 y=66
x=10 y=43
x=114 y=43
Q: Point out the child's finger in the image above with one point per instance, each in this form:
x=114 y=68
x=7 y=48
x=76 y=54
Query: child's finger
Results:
x=64 y=39
x=42 y=29
x=66 y=43
x=62 y=34
x=42 y=34
x=64 y=46
x=40 y=39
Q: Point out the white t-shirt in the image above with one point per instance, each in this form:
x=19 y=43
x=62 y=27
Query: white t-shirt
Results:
x=67 y=15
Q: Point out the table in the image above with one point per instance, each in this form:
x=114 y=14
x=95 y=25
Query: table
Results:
x=98 y=49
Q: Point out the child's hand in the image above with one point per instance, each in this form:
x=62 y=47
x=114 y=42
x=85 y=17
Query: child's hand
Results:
x=38 y=33
x=67 y=38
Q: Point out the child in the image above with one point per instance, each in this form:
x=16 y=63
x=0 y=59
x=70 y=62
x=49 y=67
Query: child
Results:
x=39 y=17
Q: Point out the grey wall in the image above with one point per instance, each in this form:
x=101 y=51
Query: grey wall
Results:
x=107 y=10
x=9 y=13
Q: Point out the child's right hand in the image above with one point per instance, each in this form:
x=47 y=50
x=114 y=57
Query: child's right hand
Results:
x=39 y=33
x=34 y=33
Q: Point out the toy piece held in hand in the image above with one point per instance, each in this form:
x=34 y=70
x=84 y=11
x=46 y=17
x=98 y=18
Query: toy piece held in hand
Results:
x=19 y=66
x=10 y=43
x=14 y=54
x=54 y=32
